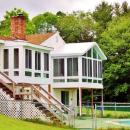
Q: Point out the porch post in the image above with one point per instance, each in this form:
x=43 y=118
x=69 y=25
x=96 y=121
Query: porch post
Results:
x=92 y=107
x=102 y=102
x=80 y=101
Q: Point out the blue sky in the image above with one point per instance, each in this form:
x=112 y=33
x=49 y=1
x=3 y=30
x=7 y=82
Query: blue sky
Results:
x=34 y=7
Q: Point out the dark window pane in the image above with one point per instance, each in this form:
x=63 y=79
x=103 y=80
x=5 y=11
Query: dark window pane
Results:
x=27 y=73
x=69 y=66
x=94 y=53
x=75 y=66
x=94 y=68
x=46 y=61
x=28 y=59
x=89 y=53
x=37 y=60
x=89 y=68
x=58 y=68
x=84 y=67
x=6 y=58
x=72 y=66
x=16 y=58
x=16 y=73
x=99 y=69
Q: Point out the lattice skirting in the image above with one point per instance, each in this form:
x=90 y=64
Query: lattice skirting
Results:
x=19 y=109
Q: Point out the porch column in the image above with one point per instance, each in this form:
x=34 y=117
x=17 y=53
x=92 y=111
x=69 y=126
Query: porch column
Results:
x=49 y=90
x=102 y=102
x=92 y=107
x=80 y=101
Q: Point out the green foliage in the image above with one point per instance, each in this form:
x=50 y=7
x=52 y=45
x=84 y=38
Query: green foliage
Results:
x=115 y=42
x=77 y=27
x=44 y=22
x=5 y=24
x=102 y=15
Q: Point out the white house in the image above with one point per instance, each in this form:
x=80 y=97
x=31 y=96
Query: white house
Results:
x=62 y=69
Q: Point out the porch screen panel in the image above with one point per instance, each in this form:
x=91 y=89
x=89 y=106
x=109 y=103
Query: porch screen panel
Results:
x=99 y=69
x=84 y=66
x=16 y=58
x=94 y=68
x=75 y=66
x=46 y=61
x=37 y=60
x=89 y=68
x=69 y=66
x=72 y=66
x=6 y=58
x=58 y=69
x=28 y=59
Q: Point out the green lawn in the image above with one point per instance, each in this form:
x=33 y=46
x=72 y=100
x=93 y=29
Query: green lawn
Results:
x=7 y=123
x=118 y=114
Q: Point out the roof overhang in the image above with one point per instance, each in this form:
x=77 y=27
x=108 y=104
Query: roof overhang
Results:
x=63 y=52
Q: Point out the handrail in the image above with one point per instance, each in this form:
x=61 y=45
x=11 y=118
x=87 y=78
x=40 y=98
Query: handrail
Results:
x=40 y=94
x=61 y=104
x=6 y=76
x=1 y=81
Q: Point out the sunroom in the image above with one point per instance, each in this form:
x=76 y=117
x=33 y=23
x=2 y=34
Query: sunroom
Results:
x=77 y=65
x=25 y=62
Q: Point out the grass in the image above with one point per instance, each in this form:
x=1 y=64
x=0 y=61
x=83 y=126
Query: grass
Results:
x=119 y=114
x=7 y=123
x=114 y=128
x=114 y=114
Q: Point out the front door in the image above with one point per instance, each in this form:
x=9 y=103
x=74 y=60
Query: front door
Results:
x=65 y=97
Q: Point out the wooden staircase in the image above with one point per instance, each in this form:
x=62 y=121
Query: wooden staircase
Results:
x=50 y=107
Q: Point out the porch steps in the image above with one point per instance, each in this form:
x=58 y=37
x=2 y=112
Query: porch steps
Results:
x=55 y=111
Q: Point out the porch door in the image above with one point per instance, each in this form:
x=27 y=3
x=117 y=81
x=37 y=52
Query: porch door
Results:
x=65 y=97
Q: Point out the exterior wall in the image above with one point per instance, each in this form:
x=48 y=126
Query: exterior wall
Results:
x=55 y=41
x=72 y=96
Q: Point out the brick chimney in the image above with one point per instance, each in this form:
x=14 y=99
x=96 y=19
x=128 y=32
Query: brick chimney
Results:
x=18 y=27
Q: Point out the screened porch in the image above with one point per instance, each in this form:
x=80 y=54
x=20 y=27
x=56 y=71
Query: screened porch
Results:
x=84 y=68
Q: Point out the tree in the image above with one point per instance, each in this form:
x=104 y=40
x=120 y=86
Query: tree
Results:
x=115 y=42
x=5 y=24
x=76 y=27
x=59 y=13
x=102 y=15
x=117 y=9
x=125 y=7
x=44 y=22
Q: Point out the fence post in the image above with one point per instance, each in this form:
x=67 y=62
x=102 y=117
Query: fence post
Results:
x=115 y=106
